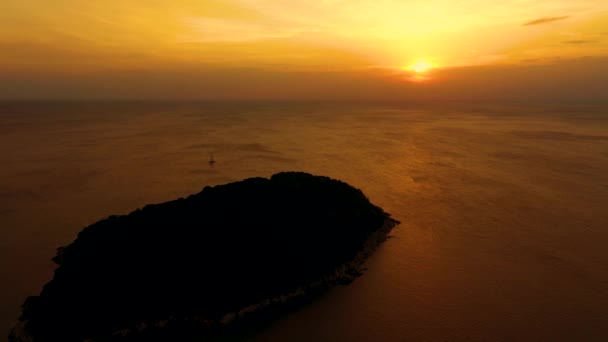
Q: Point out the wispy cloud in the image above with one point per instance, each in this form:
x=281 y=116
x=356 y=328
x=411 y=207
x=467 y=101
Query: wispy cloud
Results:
x=225 y=30
x=541 y=60
x=578 y=42
x=545 y=20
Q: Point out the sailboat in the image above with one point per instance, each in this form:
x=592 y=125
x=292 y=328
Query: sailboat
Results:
x=211 y=160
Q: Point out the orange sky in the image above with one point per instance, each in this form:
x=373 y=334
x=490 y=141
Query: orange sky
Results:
x=331 y=49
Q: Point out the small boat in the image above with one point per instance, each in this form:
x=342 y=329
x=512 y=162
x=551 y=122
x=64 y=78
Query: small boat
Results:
x=211 y=160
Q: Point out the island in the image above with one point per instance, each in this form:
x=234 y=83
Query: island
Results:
x=198 y=266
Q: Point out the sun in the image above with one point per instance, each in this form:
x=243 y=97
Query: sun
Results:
x=419 y=71
x=420 y=67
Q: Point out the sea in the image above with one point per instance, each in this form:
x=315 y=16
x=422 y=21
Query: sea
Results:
x=503 y=207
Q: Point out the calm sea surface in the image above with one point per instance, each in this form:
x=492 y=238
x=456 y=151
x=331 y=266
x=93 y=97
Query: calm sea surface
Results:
x=504 y=210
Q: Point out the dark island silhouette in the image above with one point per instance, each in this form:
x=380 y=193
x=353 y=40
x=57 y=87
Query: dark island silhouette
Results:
x=198 y=266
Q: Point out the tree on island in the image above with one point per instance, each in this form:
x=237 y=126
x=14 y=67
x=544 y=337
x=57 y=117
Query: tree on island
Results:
x=190 y=266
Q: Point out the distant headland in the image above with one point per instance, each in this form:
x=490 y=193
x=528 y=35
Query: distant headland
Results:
x=202 y=264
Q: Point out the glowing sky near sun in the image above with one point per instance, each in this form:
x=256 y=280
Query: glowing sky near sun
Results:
x=75 y=36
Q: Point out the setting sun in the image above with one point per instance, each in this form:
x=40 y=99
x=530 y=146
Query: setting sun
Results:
x=420 y=67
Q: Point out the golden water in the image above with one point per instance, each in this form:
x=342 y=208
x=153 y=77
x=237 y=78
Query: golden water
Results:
x=504 y=209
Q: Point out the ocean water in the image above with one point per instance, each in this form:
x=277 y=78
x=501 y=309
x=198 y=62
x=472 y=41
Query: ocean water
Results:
x=504 y=209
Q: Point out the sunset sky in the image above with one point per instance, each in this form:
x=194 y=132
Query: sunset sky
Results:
x=334 y=49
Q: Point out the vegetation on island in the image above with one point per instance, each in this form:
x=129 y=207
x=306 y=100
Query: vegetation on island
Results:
x=203 y=261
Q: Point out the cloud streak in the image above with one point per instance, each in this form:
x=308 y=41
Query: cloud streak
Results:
x=224 y=30
x=545 y=20
x=578 y=42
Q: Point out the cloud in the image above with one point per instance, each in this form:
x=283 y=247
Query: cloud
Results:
x=541 y=60
x=582 y=80
x=545 y=20
x=578 y=42
x=226 y=30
